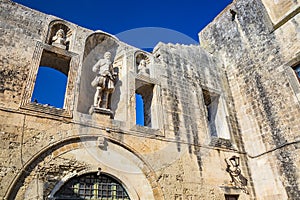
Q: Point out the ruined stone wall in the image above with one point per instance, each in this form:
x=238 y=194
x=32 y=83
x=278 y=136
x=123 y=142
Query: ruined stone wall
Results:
x=278 y=11
x=20 y=141
x=185 y=71
x=258 y=58
x=42 y=147
x=17 y=33
x=176 y=157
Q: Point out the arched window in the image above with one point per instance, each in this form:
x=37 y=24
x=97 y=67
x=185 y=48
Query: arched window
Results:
x=92 y=186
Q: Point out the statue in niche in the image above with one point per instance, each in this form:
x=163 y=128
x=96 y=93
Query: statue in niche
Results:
x=104 y=82
x=142 y=68
x=59 y=40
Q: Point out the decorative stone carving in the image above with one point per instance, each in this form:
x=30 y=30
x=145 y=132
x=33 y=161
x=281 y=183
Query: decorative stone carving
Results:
x=59 y=40
x=237 y=179
x=104 y=83
x=142 y=68
x=101 y=142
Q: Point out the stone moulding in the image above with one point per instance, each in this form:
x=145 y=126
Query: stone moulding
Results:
x=26 y=102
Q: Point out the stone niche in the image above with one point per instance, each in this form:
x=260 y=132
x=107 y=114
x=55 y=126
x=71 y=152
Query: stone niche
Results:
x=141 y=57
x=95 y=47
x=68 y=33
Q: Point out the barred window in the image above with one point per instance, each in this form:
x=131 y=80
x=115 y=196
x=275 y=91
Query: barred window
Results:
x=92 y=186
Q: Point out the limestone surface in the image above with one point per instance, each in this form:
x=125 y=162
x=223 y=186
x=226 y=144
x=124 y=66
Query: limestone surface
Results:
x=221 y=119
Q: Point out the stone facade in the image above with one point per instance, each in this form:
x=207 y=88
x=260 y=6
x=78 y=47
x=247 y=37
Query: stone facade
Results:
x=233 y=96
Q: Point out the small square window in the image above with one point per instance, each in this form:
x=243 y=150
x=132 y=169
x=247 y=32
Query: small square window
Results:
x=148 y=116
x=216 y=114
x=297 y=71
x=144 y=107
x=231 y=197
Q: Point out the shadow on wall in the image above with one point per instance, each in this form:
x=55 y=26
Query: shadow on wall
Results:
x=95 y=47
x=115 y=98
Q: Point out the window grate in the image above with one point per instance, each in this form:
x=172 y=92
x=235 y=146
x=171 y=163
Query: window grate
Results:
x=91 y=186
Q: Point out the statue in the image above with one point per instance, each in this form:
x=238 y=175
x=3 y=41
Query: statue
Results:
x=104 y=82
x=235 y=173
x=142 y=68
x=59 y=40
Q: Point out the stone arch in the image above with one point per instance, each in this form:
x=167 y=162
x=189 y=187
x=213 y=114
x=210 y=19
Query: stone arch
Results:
x=68 y=29
x=96 y=45
x=108 y=41
x=68 y=144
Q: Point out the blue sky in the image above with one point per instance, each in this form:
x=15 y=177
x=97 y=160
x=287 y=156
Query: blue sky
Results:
x=187 y=17
x=139 y=23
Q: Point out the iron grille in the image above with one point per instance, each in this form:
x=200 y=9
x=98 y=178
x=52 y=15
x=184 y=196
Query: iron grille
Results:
x=91 y=186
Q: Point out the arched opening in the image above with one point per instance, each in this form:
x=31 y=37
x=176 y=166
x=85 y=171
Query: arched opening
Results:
x=72 y=146
x=50 y=87
x=96 y=46
x=67 y=28
x=141 y=56
x=92 y=186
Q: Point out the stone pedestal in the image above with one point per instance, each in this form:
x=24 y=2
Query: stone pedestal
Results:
x=59 y=45
x=95 y=111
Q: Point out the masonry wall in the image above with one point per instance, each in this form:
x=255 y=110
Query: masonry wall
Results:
x=186 y=71
x=176 y=157
x=258 y=53
x=42 y=147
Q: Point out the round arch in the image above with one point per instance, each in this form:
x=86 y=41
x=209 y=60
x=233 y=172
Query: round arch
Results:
x=28 y=167
x=141 y=55
x=68 y=28
x=108 y=41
